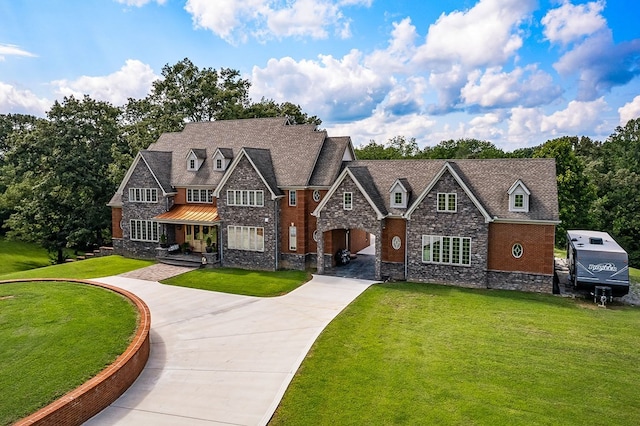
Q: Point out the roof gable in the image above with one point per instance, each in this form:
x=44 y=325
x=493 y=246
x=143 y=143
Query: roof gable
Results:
x=260 y=160
x=362 y=179
x=158 y=163
x=518 y=184
x=448 y=167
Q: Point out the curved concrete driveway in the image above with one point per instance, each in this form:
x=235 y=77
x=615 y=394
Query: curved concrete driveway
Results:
x=222 y=359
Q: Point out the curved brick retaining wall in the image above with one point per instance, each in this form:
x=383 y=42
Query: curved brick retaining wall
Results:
x=89 y=399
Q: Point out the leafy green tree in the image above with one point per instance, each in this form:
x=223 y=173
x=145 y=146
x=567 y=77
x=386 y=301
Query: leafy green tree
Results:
x=576 y=192
x=397 y=147
x=60 y=173
x=270 y=108
x=463 y=148
x=619 y=187
x=193 y=94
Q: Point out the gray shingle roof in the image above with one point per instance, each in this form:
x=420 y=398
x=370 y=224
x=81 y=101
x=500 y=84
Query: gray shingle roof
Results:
x=158 y=162
x=294 y=148
x=261 y=158
x=362 y=175
x=489 y=180
x=328 y=166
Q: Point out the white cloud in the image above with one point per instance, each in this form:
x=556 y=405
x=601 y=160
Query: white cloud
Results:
x=629 y=111
x=485 y=35
x=381 y=127
x=401 y=49
x=13 y=50
x=234 y=21
x=526 y=86
x=14 y=100
x=578 y=118
x=133 y=80
x=339 y=89
x=139 y=3
x=569 y=22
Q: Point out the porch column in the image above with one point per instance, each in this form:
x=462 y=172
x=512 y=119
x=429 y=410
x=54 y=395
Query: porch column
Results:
x=320 y=260
x=378 y=249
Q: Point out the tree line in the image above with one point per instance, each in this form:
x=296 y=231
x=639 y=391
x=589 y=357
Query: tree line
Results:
x=598 y=182
x=58 y=173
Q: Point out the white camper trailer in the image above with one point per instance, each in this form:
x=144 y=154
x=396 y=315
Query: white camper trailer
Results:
x=595 y=260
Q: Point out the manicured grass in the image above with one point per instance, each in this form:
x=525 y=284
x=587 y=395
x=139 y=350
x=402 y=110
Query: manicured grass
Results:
x=424 y=354
x=54 y=337
x=240 y=281
x=18 y=256
x=89 y=268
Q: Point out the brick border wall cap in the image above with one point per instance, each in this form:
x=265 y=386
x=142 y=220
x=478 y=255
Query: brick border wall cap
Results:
x=87 y=400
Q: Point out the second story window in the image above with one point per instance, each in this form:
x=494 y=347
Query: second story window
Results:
x=249 y=198
x=292 y=198
x=143 y=195
x=447 y=202
x=347 y=200
x=199 y=196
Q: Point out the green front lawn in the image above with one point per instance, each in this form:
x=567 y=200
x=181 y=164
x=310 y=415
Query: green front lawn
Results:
x=83 y=269
x=18 y=256
x=241 y=281
x=425 y=354
x=54 y=337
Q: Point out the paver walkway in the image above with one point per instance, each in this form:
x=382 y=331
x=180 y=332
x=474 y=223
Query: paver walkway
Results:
x=157 y=272
x=222 y=359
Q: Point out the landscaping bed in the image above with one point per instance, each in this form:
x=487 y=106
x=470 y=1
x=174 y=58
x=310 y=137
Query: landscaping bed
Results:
x=55 y=337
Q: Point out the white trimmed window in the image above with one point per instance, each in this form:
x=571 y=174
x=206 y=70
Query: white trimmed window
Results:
x=292 y=198
x=250 y=238
x=447 y=202
x=446 y=250
x=517 y=250
x=250 y=198
x=199 y=196
x=347 y=200
x=144 y=230
x=293 y=241
x=143 y=195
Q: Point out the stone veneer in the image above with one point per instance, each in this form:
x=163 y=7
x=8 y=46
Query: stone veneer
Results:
x=467 y=221
x=140 y=178
x=521 y=281
x=244 y=176
x=361 y=216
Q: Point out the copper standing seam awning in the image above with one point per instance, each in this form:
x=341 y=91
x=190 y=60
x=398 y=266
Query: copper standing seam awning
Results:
x=189 y=215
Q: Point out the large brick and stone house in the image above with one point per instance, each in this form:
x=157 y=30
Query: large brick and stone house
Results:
x=269 y=195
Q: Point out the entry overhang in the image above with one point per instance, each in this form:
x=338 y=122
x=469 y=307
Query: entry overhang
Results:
x=186 y=214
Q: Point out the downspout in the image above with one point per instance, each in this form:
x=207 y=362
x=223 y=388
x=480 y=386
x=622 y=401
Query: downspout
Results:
x=275 y=227
x=406 y=248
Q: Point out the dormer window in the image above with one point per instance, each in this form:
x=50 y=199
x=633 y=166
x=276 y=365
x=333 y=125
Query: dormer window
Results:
x=399 y=194
x=195 y=158
x=519 y=197
x=221 y=159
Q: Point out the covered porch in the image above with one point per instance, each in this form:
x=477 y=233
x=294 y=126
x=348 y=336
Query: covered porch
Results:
x=190 y=235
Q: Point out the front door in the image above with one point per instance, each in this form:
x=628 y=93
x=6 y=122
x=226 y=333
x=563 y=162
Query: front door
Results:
x=199 y=235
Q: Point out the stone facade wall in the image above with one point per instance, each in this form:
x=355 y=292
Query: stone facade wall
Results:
x=246 y=177
x=392 y=270
x=361 y=216
x=467 y=221
x=140 y=178
x=536 y=283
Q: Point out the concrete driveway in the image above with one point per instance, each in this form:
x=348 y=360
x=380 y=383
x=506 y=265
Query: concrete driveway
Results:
x=221 y=359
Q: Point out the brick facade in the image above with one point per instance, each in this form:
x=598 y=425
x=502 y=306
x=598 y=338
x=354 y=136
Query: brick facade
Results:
x=537 y=243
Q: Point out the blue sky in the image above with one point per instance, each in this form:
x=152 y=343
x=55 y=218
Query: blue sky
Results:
x=514 y=72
